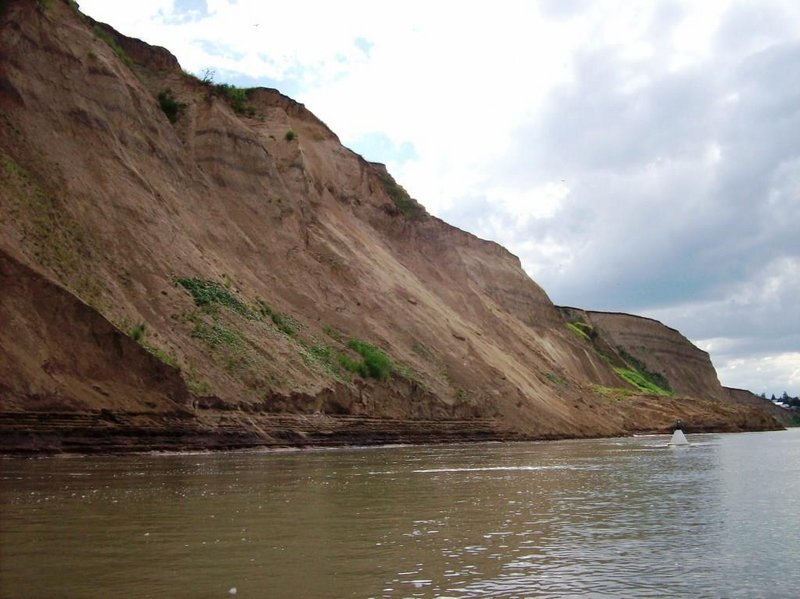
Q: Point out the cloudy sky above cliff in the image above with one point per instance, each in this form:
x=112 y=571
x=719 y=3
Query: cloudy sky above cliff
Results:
x=637 y=156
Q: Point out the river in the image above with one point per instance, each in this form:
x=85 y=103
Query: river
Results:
x=624 y=517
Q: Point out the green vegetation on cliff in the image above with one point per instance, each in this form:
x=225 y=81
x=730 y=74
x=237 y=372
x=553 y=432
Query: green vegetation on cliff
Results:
x=374 y=362
x=170 y=106
x=209 y=294
x=640 y=381
x=582 y=330
x=404 y=202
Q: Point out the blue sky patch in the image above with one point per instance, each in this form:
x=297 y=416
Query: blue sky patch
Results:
x=378 y=147
x=187 y=11
x=364 y=45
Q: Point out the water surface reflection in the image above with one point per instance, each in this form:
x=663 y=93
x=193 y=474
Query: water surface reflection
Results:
x=619 y=517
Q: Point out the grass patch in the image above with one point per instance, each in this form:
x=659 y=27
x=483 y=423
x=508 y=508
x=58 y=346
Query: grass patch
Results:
x=405 y=372
x=286 y=324
x=582 y=330
x=216 y=334
x=53 y=238
x=374 y=362
x=404 y=202
x=164 y=356
x=423 y=351
x=554 y=378
x=639 y=381
x=102 y=34
x=322 y=357
x=138 y=332
x=228 y=346
x=613 y=393
x=333 y=333
x=656 y=378
x=210 y=294
x=322 y=353
x=197 y=386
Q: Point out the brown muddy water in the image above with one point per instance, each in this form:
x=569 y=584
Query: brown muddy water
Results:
x=603 y=518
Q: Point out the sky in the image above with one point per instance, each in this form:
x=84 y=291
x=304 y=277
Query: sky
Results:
x=638 y=157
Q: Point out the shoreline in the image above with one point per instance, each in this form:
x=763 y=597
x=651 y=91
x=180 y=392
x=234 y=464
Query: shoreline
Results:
x=94 y=443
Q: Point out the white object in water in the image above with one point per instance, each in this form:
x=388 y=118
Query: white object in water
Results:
x=678 y=438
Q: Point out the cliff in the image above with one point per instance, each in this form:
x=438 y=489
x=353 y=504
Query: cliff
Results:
x=190 y=264
x=654 y=348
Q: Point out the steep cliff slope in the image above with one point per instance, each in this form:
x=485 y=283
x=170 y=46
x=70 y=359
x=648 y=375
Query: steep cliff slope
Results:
x=232 y=237
x=654 y=349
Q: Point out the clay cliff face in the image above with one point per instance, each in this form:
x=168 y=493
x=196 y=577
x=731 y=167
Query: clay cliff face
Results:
x=292 y=290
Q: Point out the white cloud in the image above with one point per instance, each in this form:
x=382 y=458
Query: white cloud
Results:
x=542 y=201
x=772 y=374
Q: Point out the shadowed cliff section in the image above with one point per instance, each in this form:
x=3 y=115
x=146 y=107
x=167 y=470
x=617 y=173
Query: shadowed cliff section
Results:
x=291 y=291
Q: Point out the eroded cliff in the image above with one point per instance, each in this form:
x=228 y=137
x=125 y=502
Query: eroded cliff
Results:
x=293 y=291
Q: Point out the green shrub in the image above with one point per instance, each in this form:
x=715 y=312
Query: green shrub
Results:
x=206 y=76
x=236 y=97
x=137 y=332
x=170 y=106
x=375 y=363
x=354 y=366
x=290 y=135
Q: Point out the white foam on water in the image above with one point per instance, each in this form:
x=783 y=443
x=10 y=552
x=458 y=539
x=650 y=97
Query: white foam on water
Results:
x=490 y=469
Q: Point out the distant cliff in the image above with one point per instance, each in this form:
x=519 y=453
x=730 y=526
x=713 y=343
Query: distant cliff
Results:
x=657 y=349
x=190 y=264
x=741 y=396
